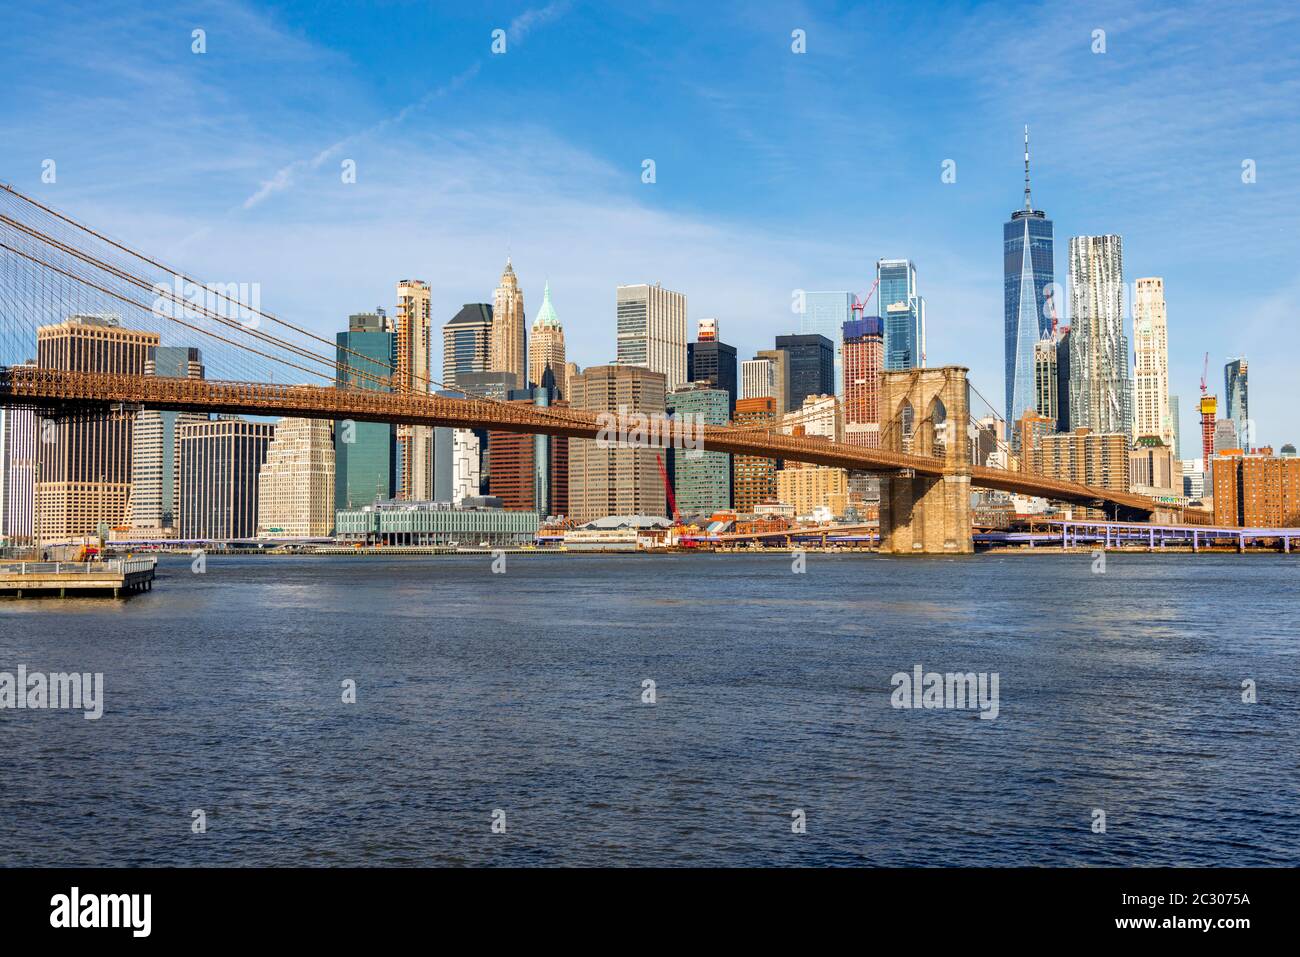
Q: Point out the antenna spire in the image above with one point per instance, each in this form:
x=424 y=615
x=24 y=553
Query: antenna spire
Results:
x=1028 y=204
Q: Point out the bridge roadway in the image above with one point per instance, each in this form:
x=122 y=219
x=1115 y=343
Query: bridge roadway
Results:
x=64 y=392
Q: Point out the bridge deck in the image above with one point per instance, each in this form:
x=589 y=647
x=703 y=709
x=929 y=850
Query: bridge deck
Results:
x=71 y=391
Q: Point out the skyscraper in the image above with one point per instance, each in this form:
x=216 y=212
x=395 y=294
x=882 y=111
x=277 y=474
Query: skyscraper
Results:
x=467 y=343
x=17 y=474
x=546 y=347
x=1101 y=388
x=1238 y=405
x=701 y=479
x=411 y=327
x=754 y=477
x=758 y=379
x=864 y=357
x=509 y=349
x=1027 y=275
x=1178 y=431
x=153 y=452
x=295 y=493
x=1152 y=415
x=1046 y=382
x=903 y=312
x=652 y=331
x=219 y=460
x=780 y=360
x=84 y=477
x=613 y=480
x=365 y=453
x=710 y=360
x=825 y=314
x=812 y=367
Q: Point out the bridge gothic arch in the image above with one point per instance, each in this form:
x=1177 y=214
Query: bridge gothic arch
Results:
x=922 y=514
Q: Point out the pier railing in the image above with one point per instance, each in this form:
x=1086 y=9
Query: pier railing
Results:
x=120 y=566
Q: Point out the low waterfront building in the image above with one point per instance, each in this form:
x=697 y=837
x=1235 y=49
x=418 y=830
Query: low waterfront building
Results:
x=618 y=533
x=477 y=521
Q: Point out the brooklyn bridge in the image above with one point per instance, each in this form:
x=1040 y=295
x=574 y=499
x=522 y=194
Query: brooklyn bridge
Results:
x=53 y=267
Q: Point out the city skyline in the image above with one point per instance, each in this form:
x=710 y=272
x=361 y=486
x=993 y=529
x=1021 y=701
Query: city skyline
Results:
x=589 y=222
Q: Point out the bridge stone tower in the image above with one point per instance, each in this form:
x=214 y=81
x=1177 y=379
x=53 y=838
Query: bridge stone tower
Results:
x=926 y=412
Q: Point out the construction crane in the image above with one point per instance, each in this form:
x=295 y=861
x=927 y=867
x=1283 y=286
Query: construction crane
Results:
x=668 y=490
x=860 y=304
x=1209 y=412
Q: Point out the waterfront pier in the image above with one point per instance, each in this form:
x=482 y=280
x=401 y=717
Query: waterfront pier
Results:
x=117 y=577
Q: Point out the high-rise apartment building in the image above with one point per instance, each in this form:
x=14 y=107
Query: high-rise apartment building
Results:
x=83 y=480
x=757 y=379
x=903 y=312
x=820 y=415
x=17 y=474
x=411 y=327
x=652 y=331
x=1081 y=456
x=780 y=360
x=612 y=479
x=1101 y=388
x=546 y=363
x=1257 y=491
x=701 y=479
x=864 y=358
x=509 y=349
x=153 y=451
x=1152 y=415
x=1028 y=268
x=1237 y=397
x=825 y=313
x=712 y=361
x=365 y=453
x=295 y=496
x=753 y=477
x=219 y=461
x=812 y=367
x=466 y=465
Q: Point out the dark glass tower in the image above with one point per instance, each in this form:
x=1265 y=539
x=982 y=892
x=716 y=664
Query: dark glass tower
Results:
x=715 y=363
x=812 y=367
x=1027 y=276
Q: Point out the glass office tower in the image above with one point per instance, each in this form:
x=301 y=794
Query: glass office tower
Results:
x=1027 y=275
x=903 y=312
x=825 y=314
x=365 y=453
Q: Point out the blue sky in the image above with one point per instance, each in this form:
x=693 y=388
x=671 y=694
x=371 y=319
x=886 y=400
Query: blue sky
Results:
x=775 y=171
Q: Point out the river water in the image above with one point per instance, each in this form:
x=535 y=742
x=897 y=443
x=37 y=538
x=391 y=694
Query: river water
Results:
x=520 y=699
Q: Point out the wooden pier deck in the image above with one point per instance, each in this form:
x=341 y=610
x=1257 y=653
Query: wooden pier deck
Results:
x=118 y=576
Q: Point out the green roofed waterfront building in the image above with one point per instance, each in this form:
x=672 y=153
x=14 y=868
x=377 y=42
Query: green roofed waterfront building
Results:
x=476 y=521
